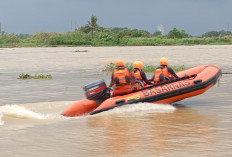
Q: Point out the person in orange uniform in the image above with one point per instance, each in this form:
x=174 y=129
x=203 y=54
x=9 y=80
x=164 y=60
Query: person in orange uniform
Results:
x=121 y=79
x=163 y=73
x=139 y=75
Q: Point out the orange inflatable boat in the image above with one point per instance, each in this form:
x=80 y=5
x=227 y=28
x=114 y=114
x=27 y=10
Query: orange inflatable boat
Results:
x=193 y=82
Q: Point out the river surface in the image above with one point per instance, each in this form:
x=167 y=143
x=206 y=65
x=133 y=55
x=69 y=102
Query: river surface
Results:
x=31 y=124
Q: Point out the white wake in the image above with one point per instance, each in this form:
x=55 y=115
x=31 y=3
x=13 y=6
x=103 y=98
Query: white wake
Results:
x=1 y=121
x=22 y=112
x=144 y=108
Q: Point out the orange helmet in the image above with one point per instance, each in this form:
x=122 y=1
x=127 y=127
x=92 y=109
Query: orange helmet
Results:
x=120 y=63
x=163 y=61
x=138 y=64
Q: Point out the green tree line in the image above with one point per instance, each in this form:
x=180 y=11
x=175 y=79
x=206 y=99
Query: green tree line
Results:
x=94 y=35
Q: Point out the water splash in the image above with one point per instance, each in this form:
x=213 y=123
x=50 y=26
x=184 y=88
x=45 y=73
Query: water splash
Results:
x=146 y=107
x=18 y=111
x=1 y=121
x=22 y=112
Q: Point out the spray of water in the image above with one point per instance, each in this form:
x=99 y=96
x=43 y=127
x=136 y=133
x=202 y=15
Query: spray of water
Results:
x=143 y=108
x=22 y=112
x=1 y=121
x=18 y=111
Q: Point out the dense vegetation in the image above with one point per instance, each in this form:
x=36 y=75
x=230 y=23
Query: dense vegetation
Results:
x=94 y=35
x=146 y=68
x=36 y=76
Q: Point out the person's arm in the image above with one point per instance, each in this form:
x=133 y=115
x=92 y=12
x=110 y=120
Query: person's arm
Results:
x=171 y=71
x=143 y=75
x=112 y=81
x=133 y=80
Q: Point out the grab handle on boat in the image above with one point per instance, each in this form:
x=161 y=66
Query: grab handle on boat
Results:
x=120 y=101
x=197 y=81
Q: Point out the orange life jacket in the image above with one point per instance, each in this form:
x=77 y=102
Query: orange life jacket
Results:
x=121 y=77
x=139 y=83
x=137 y=74
x=123 y=81
x=161 y=73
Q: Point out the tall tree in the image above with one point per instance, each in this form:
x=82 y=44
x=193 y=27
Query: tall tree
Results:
x=157 y=33
x=175 y=33
x=93 y=24
x=211 y=34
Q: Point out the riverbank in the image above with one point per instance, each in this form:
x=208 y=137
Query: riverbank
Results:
x=138 y=41
x=114 y=37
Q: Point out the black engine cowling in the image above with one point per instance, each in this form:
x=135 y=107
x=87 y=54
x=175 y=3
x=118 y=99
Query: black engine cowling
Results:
x=96 y=90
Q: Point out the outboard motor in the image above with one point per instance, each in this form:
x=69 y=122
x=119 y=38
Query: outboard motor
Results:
x=97 y=90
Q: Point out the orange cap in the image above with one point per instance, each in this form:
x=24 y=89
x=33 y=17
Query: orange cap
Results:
x=120 y=63
x=138 y=64
x=163 y=61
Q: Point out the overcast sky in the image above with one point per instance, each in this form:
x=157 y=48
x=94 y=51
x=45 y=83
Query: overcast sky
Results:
x=194 y=16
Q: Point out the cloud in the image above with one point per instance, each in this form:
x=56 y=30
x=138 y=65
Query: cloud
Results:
x=194 y=16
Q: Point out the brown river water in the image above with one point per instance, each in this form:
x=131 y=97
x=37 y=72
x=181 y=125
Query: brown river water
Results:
x=31 y=124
